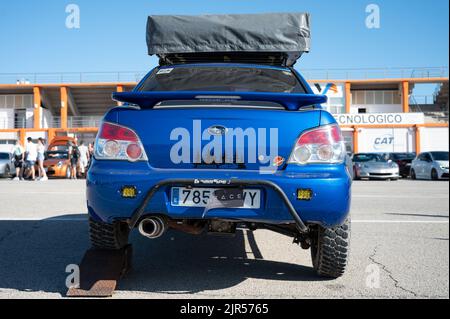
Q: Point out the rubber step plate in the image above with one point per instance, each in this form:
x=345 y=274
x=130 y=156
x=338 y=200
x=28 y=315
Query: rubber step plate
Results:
x=100 y=271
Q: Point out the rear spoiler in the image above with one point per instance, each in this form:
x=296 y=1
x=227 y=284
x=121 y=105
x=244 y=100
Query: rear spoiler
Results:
x=290 y=101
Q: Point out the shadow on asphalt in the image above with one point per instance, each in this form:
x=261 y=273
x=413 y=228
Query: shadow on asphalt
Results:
x=34 y=256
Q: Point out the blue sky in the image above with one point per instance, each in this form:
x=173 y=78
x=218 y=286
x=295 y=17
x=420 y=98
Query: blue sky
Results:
x=34 y=37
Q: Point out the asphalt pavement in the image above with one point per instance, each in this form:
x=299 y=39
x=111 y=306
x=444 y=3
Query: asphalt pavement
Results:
x=399 y=249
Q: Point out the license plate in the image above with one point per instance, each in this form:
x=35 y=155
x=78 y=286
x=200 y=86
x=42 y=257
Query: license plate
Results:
x=201 y=197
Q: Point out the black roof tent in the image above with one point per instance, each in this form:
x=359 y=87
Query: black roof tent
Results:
x=273 y=38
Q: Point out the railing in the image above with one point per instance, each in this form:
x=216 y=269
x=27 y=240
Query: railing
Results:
x=77 y=121
x=311 y=74
x=6 y=124
x=422 y=99
x=70 y=77
x=419 y=104
x=375 y=73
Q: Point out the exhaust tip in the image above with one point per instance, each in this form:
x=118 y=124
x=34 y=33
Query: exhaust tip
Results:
x=152 y=227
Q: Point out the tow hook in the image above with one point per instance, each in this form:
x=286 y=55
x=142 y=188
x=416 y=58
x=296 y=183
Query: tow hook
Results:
x=304 y=242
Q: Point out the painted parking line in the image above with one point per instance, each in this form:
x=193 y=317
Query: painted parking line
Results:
x=443 y=196
x=387 y=221
x=21 y=191
x=45 y=219
x=357 y=221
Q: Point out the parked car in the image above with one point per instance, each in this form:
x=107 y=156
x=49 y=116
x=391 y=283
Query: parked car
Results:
x=6 y=164
x=430 y=165
x=153 y=170
x=374 y=166
x=403 y=161
x=57 y=163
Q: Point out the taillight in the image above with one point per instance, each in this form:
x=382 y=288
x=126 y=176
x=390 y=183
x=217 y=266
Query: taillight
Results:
x=322 y=145
x=116 y=142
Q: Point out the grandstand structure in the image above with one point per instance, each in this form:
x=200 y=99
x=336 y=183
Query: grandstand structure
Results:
x=369 y=104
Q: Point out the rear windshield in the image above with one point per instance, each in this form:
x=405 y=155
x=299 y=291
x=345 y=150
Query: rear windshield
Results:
x=440 y=156
x=403 y=156
x=57 y=155
x=226 y=79
x=360 y=158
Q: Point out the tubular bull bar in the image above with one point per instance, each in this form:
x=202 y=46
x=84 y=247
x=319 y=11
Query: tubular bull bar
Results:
x=300 y=225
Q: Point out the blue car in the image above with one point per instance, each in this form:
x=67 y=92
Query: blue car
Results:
x=154 y=167
x=224 y=133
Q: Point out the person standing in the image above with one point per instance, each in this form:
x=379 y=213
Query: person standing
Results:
x=91 y=149
x=19 y=156
x=74 y=156
x=31 y=157
x=40 y=160
x=84 y=157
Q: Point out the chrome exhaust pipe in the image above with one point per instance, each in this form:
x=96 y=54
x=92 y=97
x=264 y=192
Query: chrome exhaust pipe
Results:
x=153 y=227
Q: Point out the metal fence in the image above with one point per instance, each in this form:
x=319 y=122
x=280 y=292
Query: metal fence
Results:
x=311 y=74
x=17 y=123
x=70 y=77
x=374 y=73
x=422 y=99
x=77 y=121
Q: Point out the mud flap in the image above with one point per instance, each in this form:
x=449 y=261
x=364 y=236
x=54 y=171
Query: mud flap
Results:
x=100 y=270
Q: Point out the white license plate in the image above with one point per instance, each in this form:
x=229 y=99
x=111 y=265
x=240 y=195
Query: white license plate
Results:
x=200 y=197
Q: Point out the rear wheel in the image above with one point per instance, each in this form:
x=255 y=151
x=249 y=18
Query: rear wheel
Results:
x=7 y=172
x=108 y=236
x=68 y=173
x=355 y=174
x=413 y=174
x=330 y=250
x=434 y=175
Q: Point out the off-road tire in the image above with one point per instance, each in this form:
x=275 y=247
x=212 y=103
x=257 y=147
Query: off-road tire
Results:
x=108 y=236
x=330 y=250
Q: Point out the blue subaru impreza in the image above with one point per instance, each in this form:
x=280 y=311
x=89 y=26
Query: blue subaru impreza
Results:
x=206 y=147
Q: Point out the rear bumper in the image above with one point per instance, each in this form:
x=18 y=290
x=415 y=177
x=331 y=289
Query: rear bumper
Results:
x=331 y=186
x=405 y=170
x=377 y=174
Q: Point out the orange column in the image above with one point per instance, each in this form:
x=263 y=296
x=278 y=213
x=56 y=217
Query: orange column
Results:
x=417 y=139
x=119 y=89
x=64 y=107
x=348 y=97
x=22 y=136
x=405 y=96
x=37 y=108
x=355 y=140
x=51 y=135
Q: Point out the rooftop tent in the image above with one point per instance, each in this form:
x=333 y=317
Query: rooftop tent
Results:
x=274 y=38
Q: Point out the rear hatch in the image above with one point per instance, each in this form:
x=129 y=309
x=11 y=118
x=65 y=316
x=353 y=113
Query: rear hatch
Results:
x=258 y=135
x=219 y=115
